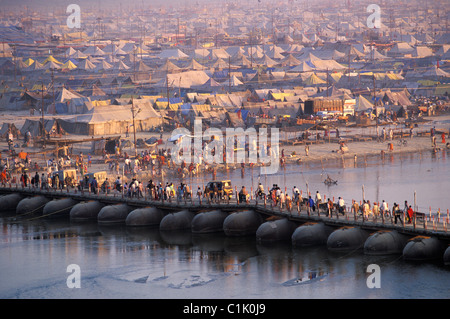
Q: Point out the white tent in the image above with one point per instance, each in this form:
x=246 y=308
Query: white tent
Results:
x=185 y=79
x=200 y=54
x=219 y=54
x=51 y=65
x=323 y=65
x=234 y=81
x=302 y=67
x=66 y=95
x=173 y=54
x=69 y=51
x=194 y=65
x=94 y=51
x=78 y=55
x=435 y=72
x=102 y=66
x=362 y=104
x=86 y=65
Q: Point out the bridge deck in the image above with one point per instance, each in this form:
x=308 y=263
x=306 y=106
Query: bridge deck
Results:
x=427 y=226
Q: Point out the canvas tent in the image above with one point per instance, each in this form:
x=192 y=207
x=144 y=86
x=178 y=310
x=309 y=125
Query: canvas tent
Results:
x=185 y=79
x=113 y=119
x=362 y=104
x=173 y=54
x=6 y=128
x=51 y=126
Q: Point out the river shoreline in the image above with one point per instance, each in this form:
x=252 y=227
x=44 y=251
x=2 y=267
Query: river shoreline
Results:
x=327 y=151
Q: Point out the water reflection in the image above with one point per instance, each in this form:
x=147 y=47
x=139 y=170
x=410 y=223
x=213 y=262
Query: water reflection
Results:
x=214 y=265
x=182 y=260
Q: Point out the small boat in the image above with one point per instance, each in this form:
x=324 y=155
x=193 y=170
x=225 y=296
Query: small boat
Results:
x=330 y=181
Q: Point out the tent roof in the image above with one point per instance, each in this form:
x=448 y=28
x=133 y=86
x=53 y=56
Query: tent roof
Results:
x=436 y=72
x=168 y=66
x=173 y=54
x=78 y=55
x=302 y=67
x=362 y=104
x=267 y=61
x=235 y=81
x=66 y=94
x=51 y=59
x=314 y=79
x=107 y=113
x=86 y=65
x=194 y=65
x=69 y=65
x=185 y=79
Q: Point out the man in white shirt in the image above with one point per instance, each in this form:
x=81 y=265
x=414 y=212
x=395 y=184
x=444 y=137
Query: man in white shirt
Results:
x=318 y=199
x=282 y=199
x=341 y=205
x=297 y=196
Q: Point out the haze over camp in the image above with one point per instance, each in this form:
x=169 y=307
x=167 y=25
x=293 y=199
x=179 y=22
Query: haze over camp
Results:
x=166 y=147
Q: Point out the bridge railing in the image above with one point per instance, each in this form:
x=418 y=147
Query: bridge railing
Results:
x=293 y=209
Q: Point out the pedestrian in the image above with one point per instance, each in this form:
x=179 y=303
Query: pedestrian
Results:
x=307 y=150
x=410 y=214
x=318 y=199
x=397 y=213
x=94 y=185
x=311 y=205
x=282 y=199
x=140 y=190
x=365 y=210
x=288 y=202
x=199 y=194
x=355 y=207
x=330 y=205
x=36 y=179
x=443 y=138
x=341 y=206
x=384 y=208
x=376 y=209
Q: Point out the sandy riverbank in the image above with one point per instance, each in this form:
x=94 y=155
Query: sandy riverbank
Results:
x=324 y=152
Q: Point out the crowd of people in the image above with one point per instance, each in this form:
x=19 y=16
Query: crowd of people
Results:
x=364 y=209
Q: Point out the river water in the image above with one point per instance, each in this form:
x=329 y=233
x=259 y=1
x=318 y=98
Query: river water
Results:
x=121 y=262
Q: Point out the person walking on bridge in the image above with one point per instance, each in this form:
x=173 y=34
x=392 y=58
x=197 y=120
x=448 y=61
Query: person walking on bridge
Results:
x=397 y=213
x=330 y=205
x=310 y=205
x=318 y=199
x=282 y=199
x=341 y=206
x=384 y=209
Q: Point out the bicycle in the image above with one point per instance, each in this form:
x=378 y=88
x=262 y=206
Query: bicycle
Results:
x=402 y=142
